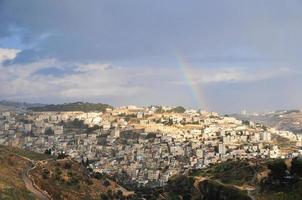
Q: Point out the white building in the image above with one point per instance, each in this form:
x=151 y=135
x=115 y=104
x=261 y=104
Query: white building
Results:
x=266 y=136
x=27 y=127
x=115 y=133
x=221 y=149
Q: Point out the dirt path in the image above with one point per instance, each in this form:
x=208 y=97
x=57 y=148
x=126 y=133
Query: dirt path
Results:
x=29 y=183
x=31 y=186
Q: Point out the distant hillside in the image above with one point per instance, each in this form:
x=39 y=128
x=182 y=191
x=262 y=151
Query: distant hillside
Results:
x=290 y=120
x=17 y=106
x=77 y=106
x=20 y=104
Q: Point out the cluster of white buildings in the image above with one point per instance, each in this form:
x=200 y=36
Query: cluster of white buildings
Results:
x=141 y=146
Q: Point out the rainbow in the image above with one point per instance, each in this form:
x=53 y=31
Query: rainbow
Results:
x=191 y=80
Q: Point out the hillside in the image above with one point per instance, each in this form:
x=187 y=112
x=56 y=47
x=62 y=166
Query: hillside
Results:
x=67 y=179
x=27 y=175
x=13 y=165
x=17 y=106
x=237 y=180
x=289 y=120
x=192 y=188
x=242 y=180
x=77 y=106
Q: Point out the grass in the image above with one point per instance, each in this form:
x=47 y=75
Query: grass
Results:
x=11 y=183
x=288 y=193
x=13 y=193
x=25 y=153
x=68 y=179
x=215 y=190
x=229 y=172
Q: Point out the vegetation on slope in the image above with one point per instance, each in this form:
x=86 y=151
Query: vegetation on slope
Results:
x=178 y=109
x=12 y=185
x=62 y=178
x=181 y=187
x=67 y=179
x=184 y=187
x=229 y=172
x=212 y=190
x=77 y=106
x=283 y=182
x=25 y=153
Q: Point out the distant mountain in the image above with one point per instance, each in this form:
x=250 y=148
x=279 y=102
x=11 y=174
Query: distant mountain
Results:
x=38 y=107
x=17 y=106
x=77 y=106
x=290 y=120
x=20 y=104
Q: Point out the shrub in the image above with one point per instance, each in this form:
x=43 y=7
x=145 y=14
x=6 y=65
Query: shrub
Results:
x=278 y=168
x=67 y=165
x=296 y=166
x=45 y=174
x=106 y=183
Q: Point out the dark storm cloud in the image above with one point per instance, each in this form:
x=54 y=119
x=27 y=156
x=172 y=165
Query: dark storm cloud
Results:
x=109 y=30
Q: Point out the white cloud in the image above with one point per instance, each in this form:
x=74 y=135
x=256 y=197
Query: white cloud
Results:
x=85 y=81
x=8 y=54
x=235 y=74
x=92 y=67
x=88 y=81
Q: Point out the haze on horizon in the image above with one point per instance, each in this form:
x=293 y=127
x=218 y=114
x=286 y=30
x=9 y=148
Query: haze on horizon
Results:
x=223 y=56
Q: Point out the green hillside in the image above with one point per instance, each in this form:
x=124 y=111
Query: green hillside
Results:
x=77 y=106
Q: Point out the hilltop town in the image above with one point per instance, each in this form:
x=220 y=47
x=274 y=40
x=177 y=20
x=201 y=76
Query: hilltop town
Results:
x=145 y=146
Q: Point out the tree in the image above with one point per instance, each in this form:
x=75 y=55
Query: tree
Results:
x=92 y=129
x=67 y=165
x=296 y=166
x=45 y=174
x=48 y=151
x=49 y=131
x=106 y=183
x=104 y=197
x=98 y=175
x=73 y=181
x=178 y=109
x=62 y=156
x=76 y=123
x=87 y=162
x=180 y=186
x=245 y=122
x=278 y=168
x=118 y=195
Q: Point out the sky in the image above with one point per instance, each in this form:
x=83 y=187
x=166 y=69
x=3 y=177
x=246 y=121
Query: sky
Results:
x=217 y=55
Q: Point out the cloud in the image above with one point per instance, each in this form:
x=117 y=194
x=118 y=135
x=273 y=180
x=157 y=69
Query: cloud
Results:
x=208 y=75
x=92 y=67
x=8 y=54
x=142 y=30
x=85 y=80
x=127 y=51
x=91 y=81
